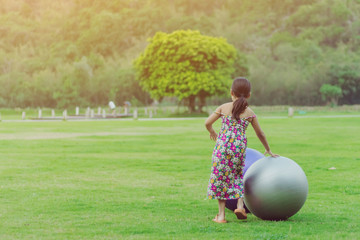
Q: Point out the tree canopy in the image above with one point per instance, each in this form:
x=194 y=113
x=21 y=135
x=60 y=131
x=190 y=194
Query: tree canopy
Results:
x=331 y=93
x=186 y=64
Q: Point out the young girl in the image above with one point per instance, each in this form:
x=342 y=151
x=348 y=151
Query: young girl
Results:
x=228 y=158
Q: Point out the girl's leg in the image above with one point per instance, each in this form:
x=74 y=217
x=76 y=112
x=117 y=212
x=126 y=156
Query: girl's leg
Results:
x=221 y=214
x=240 y=203
x=240 y=211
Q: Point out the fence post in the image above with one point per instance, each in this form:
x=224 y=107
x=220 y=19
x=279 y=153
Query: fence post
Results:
x=135 y=114
x=65 y=115
x=87 y=113
x=290 y=112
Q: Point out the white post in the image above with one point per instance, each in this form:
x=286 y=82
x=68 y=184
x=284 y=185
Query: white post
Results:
x=87 y=113
x=150 y=114
x=52 y=113
x=146 y=111
x=23 y=116
x=290 y=112
x=65 y=114
x=135 y=114
x=99 y=110
x=77 y=110
x=40 y=114
x=92 y=113
x=104 y=113
x=126 y=110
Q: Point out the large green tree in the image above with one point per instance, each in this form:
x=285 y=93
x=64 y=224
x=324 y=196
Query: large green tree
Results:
x=187 y=65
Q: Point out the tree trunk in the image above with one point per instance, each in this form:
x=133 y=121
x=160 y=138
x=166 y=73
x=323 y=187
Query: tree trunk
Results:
x=202 y=102
x=191 y=104
x=334 y=102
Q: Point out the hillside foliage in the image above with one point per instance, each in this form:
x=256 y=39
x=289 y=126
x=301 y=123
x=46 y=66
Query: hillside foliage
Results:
x=62 y=53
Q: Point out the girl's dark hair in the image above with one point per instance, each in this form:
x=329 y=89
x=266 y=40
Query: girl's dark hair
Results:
x=241 y=88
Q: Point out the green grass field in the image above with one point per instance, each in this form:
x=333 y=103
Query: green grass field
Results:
x=148 y=180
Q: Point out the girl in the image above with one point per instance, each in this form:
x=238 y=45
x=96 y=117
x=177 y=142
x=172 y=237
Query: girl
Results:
x=228 y=157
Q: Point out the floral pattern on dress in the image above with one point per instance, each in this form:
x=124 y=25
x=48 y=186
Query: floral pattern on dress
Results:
x=228 y=160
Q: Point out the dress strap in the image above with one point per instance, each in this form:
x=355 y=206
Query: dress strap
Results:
x=253 y=116
x=219 y=113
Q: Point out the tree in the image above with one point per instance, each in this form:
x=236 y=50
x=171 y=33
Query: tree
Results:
x=346 y=74
x=331 y=93
x=187 y=65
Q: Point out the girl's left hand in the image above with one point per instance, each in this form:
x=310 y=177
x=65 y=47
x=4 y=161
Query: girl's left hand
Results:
x=213 y=135
x=271 y=154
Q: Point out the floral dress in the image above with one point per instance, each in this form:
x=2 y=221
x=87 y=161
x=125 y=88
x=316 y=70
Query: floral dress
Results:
x=228 y=160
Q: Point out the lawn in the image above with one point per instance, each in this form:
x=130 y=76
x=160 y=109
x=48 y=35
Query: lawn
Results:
x=148 y=179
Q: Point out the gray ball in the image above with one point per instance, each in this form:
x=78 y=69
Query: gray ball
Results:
x=275 y=188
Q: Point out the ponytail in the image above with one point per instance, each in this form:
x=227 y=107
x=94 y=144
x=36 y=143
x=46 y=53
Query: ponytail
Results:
x=239 y=107
x=240 y=88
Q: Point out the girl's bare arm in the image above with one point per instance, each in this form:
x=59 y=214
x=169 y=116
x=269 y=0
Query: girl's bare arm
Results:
x=209 y=122
x=261 y=135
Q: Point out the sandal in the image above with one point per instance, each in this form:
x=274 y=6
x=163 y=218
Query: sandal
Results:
x=240 y=213
x=219 y=221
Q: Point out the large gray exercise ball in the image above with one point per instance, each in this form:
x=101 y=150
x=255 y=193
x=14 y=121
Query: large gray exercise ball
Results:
x=275 y=188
